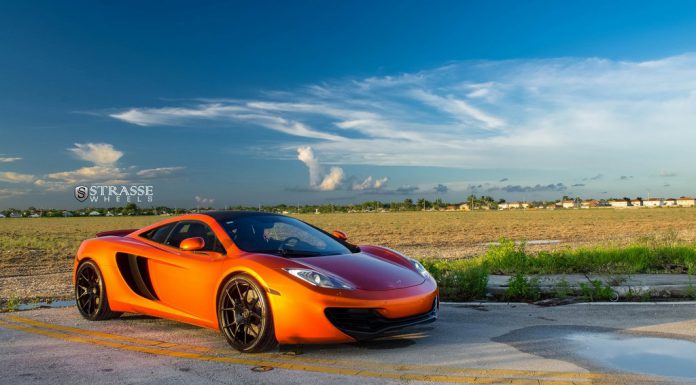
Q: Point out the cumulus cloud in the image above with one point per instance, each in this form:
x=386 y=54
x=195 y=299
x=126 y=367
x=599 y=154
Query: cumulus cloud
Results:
x=104 y=169
x=204 y=201
x=503 y=180
x=306 y=156
x=101 y=154
x=332 y=180
x=14 y=177
x=321 y=180
x=370 y=184
x=6 y=159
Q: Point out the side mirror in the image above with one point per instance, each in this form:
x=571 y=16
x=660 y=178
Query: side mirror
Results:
x=340 y=235
x=192 y=244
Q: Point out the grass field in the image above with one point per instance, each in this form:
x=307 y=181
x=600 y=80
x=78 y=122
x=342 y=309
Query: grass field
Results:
x=45 y=247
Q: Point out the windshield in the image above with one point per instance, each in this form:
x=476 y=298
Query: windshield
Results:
x=281 y=235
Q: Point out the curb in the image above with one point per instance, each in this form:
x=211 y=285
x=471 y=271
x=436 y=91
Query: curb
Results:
x=624 y=286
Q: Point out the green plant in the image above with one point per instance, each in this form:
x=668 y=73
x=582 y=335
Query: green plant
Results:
x=12 y=304
x=562 y=288
x=521 y=287
x=597 y=291
x=690 y=290
x=459 y=280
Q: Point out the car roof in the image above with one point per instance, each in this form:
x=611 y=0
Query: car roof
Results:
x=231 y=215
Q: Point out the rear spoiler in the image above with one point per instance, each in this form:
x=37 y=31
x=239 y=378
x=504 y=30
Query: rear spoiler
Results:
x=115 y=233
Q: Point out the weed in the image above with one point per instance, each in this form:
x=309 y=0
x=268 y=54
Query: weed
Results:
x=521 y=287
x=562 y=289
x=595 y=290
x=12 y=304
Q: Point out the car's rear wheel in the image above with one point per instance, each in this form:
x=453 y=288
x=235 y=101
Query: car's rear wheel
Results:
x=90 y=293
x=244 y=315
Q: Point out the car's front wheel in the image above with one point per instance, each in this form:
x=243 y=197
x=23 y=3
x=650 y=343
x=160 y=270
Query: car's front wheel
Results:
x=90 y=293
x=244 y=315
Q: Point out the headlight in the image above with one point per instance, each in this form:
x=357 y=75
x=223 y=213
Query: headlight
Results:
x=420 y=268
x=318 y=279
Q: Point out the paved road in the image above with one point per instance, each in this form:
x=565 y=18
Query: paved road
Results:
x=488 y=344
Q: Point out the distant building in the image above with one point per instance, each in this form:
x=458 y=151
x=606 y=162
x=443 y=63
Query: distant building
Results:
x=464 y=207
x=35 y=215
x=109 y=214
x=636 y=202
x=618 y=203
x=2 y=215
x=15 y=215
x=67 y=214
x=670 y=202
x=513 y=205
x=94 y=213
x=568 y=204
x=686 y=202
x=653 y=202
x=589 y=203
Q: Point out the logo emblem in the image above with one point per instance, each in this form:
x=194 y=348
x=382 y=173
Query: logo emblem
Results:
x=81 y=193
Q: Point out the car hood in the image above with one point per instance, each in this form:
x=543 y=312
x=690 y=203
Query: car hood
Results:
x=364 y=271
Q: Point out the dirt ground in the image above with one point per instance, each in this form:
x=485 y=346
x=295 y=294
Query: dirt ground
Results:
x=36 y=255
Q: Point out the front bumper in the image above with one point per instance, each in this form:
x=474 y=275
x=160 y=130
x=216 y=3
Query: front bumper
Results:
x=315 y=315
x=365 y=323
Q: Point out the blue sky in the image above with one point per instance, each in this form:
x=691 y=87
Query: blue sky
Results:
x=328 y=101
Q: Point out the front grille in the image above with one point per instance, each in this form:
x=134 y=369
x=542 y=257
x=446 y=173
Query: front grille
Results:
x=365 y=323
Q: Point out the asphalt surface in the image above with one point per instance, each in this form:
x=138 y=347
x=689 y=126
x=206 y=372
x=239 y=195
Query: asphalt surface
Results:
x=471 y=344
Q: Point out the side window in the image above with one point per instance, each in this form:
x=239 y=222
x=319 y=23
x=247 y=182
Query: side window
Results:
x=159 y=234
x=188 y=229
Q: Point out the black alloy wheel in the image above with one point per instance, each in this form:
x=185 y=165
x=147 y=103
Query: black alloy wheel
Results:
x=244 y=315
x=90 y=293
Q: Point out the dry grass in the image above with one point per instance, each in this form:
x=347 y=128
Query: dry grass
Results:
x=43 y=249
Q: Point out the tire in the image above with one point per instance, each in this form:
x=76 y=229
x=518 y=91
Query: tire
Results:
x=90 y=293
x=244 y=315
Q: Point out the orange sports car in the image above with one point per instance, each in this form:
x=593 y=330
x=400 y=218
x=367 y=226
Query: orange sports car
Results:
x=259 y=278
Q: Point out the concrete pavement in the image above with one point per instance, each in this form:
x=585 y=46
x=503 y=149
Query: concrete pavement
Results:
x=470 y=343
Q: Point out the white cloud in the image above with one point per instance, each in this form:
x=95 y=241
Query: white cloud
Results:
x=159 y=172
x=317 y=179
x=5 y=159
x=332 y=180
x=370 y=184
x=103 y=157
x=14 y=177
x=306 y=156
x=101 y=154
x=89 y=174
x=204 y=201
x=457 y=108
x=576 y=115
x=219 y=112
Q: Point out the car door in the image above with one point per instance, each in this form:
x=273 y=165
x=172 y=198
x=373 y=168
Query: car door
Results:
x=185 y=280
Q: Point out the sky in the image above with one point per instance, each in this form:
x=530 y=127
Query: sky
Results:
x=315 y=102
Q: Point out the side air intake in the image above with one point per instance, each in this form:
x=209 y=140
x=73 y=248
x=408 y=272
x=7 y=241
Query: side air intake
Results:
x=135 y=272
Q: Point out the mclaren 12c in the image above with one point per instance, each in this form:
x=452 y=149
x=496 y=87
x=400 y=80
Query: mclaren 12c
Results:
x=259 y=278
